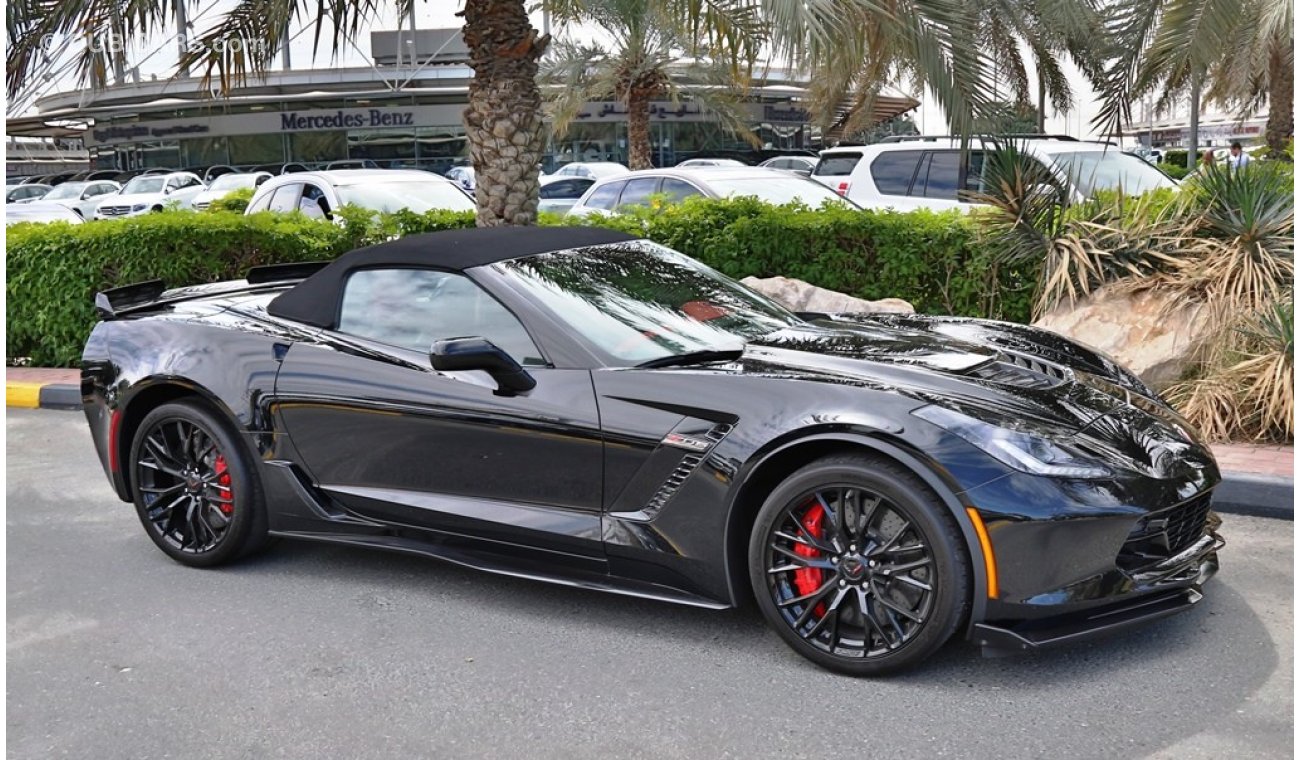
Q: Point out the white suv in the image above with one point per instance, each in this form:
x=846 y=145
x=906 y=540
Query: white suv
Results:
x=150 y=192
x=931 y=172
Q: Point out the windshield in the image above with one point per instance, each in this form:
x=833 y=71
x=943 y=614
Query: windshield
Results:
x=1095 y=170
x=144 y=185
x=233 y=181
x=639 y=301
x=778 y=190
x=66 y=190
x=416 y=196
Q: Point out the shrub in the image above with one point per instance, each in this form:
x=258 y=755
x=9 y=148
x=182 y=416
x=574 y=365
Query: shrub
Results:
x=933 y=260
x=1177 y=171
x=235 y=200
x=1175 y=157
x=54 y=270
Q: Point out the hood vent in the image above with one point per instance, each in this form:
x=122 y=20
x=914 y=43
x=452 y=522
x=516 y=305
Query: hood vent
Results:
x=1021 y=371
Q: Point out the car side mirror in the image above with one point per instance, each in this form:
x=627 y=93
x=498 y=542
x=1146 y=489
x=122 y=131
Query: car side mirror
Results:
x=459 y=354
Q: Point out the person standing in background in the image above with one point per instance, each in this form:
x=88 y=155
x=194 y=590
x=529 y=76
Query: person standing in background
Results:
x=1237 y=157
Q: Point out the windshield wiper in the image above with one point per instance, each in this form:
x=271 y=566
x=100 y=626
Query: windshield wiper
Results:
x=695 y=357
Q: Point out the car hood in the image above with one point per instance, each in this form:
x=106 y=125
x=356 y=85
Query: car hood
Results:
x=980 y=368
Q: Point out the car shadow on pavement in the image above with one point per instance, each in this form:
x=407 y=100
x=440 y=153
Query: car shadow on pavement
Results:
x=1182 y=639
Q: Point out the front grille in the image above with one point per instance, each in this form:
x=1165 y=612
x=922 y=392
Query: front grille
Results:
x=1163 y=534
x=201 y=205
x=114 y=210
x=1020 y=372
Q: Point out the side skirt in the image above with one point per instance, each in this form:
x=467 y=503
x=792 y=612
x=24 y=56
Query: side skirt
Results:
x=499 y=564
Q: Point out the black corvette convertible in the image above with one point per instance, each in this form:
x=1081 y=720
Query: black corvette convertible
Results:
x=578 y=406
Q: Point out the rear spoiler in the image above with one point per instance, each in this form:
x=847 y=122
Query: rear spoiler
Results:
x=115 y=302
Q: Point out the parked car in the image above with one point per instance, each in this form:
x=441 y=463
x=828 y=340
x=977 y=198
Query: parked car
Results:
x=709 y=162
x=463 y=176
x=674 y=185
x=82 y=198
x=320 y=193
x=590 y=169
x=39 y=212
x=224 y=185
x=151 y=192
x=933 y=173
x=208 y=173
x=14 y=179
x=352 y=163
x=877 y=483
x=558 y=194
x=277 y=169
x=801 y=165
x=26 y=192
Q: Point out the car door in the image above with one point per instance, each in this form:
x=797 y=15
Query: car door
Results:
x=391 y=439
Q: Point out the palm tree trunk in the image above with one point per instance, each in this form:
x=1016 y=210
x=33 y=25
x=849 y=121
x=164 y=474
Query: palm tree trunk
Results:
x=503 y=121
x=1281 y=120
x=638 y=133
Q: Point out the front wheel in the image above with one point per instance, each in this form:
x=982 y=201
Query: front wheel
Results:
x=859 y=566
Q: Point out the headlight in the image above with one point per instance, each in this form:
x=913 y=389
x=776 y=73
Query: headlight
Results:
x=139 y=207
x=1017 y=449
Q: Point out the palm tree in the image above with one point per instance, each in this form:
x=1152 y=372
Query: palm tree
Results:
x=1260 y=68
x=645 y=63
x=962 y=60
x=1242 y=48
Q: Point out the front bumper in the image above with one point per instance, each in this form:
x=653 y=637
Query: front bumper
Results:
x=1174 y=586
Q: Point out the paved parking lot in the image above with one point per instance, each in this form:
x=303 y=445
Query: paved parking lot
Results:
x=313 y=651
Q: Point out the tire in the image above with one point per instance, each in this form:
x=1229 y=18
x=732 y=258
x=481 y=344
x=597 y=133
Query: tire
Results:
x=882 y=604
x=185 y=456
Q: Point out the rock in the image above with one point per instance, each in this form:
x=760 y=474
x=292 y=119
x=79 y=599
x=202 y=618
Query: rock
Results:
x=797 y=295
x=1148 y=332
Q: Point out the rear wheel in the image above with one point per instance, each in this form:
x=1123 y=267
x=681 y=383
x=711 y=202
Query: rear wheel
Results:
x=195 y=489
x=858 y=566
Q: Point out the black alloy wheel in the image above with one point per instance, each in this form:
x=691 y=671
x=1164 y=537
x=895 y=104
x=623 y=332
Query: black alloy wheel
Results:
x=194 y=491
x=858 y=566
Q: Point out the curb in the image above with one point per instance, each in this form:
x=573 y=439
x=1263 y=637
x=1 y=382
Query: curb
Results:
x=1240 y=493
x=28 y=395
x=1243 y=493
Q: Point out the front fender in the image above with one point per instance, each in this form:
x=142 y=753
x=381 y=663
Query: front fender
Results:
x=780 y=451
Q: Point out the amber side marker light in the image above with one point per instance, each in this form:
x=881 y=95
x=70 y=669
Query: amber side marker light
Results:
x=990 y=564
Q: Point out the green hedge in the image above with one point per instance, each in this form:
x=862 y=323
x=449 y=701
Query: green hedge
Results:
x=933 y=260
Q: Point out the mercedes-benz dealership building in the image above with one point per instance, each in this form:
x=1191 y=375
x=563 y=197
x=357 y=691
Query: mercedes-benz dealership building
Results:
x=399 y=112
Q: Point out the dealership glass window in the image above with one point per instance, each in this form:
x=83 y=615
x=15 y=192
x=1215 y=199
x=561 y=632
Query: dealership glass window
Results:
x=103 y=158
x=204 y=151
x=164 y=153
x=605 y=141
x=255 y=149
x=439 y=148
x=383 y=145
x=315 y=147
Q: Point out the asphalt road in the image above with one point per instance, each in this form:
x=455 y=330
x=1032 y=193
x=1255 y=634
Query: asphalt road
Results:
x=310 y=651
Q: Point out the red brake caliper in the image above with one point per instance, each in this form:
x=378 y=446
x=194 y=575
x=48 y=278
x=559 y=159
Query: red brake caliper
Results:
x=809 y=579
x=227 y=502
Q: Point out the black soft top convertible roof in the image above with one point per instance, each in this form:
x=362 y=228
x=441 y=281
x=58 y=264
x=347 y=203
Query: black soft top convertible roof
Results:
x=315 y=300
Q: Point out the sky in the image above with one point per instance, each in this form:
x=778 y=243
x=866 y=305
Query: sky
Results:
x=158 y=58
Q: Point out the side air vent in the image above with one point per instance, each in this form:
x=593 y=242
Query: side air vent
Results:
x=1021 y=372
x=689 y=464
